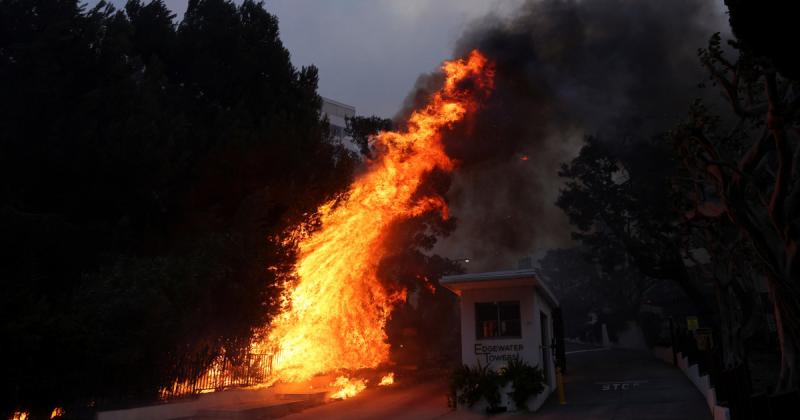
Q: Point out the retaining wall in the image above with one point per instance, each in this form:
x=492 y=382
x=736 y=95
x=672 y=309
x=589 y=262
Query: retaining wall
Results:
x=701 y=382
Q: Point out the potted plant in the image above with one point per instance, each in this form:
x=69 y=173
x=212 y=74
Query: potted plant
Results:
x=468 y=385
x=527 y=381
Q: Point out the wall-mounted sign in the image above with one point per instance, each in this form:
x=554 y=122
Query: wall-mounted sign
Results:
x=692 y=323
x=499 y=352
x=704 y=339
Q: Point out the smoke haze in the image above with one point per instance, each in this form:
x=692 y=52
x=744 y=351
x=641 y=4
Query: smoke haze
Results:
x=621 y=69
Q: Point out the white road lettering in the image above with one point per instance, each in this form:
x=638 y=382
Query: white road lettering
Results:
x=620 y=385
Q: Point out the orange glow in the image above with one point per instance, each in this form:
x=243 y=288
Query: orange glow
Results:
x=524 y=157
x=19 y=415
x=57 y=412
x=335 y=308
x=347 y=387
x=387 y=380
x=426 y=282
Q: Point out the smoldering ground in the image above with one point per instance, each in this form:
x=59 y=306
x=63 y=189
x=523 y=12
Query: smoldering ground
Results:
x=620 y=69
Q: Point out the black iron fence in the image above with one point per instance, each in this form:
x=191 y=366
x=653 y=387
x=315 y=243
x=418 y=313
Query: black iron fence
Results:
x=224 y=373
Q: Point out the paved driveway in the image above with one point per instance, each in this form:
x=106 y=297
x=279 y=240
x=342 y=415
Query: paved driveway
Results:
x=427 y=400
x=600 y=385
x=624 y=385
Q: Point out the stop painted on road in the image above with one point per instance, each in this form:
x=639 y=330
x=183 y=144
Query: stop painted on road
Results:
x=620 y=385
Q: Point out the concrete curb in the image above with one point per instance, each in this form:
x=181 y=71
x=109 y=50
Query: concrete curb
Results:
x=232 y=403
x=701 y=382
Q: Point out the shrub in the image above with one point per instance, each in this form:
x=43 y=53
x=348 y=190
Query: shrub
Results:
x=469 y=384
x=527 y=381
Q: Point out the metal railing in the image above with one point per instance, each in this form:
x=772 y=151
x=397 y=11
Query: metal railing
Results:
x=223 y=373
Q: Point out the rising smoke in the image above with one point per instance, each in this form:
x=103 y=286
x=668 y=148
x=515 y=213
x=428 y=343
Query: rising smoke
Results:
x=621 y=69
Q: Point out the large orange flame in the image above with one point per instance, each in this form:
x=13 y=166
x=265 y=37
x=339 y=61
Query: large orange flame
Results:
x=336 y=309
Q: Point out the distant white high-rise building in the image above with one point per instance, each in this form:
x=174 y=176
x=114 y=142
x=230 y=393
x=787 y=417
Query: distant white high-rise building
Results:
x=337 y=114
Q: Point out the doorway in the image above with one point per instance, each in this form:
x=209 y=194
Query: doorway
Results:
x=543 y=320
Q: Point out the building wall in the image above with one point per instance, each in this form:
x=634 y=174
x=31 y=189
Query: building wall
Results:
x=528 y=324
x=337 y=114
x=531 y=307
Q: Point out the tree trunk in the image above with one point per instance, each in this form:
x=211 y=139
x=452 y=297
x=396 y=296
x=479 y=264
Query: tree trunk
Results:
x=730 y=322
x=787 y=317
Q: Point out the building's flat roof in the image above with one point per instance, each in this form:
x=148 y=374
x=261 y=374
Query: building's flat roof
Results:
x=337 y=103
x=490 y=275
x=493 y=279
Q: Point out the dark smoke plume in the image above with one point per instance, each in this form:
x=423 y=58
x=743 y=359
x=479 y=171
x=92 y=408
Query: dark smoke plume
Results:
x=621 y=69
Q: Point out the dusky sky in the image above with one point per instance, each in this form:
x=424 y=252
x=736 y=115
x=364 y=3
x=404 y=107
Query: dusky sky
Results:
x=370 y=52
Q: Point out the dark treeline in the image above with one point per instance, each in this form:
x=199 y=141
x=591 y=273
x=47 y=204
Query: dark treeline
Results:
x=145 y=165
x=712 y=205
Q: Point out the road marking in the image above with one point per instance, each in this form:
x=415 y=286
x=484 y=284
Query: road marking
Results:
x=632 y=381
x=584 y=351
x=620 y=385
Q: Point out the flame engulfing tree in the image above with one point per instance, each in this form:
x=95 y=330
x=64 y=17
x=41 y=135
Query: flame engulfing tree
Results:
x=336 y=307
x=364 y=129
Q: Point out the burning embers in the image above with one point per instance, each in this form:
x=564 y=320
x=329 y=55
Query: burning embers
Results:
x=347 y=387
x=387 y=380
x=336 y=309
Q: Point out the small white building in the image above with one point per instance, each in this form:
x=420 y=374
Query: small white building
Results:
x=507 y=314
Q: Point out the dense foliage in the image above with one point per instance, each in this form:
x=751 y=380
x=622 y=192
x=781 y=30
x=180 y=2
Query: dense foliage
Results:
x=527 y=381
x=147 y=168
x=742 y=163
x=714 y=203
x=619 y=199
x=472 y=384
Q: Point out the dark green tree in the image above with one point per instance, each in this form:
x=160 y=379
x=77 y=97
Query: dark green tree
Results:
x=618 y=199
x=362 y=128
x=586 y=284
x=627 y=202
x=149 y=169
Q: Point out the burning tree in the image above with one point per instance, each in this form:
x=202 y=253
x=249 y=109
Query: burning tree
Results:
x=336 y=307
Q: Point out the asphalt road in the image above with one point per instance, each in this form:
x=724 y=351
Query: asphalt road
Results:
x=624 y=385
x=601 y=385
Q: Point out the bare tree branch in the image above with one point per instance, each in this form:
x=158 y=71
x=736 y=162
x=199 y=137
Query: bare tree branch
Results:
x=776 y=126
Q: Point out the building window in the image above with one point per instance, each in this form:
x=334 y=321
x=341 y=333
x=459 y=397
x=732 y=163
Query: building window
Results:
x=497 y=320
